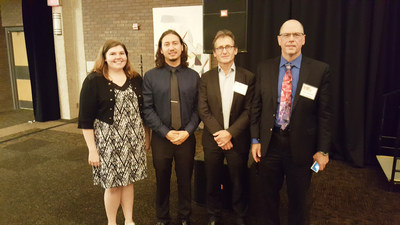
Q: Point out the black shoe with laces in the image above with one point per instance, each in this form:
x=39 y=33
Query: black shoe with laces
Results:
x=213 y=221
x=162 y=223
x=185 y=222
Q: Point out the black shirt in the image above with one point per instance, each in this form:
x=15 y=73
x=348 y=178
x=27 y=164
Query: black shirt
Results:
x=157 y=99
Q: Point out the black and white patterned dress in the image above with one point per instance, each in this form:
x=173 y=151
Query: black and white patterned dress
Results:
x=121 y=145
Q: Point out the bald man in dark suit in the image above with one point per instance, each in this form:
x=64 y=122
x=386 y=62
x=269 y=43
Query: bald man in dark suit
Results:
x=290 y=126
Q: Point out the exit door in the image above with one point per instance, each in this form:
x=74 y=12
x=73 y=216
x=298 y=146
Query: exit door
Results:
x=19 y=70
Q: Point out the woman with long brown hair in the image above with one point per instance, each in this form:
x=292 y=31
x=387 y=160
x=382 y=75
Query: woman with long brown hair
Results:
x=110 y=118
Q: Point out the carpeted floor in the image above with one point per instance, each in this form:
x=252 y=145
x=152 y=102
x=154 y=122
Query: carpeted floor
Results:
x=45 y=179
x=14 y=117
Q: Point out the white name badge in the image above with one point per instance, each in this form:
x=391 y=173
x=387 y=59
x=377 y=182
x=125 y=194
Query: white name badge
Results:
x=308 y=91
x=240 y=88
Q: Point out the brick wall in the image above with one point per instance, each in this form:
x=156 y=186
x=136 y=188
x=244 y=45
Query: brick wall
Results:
x=11 y=14
x=105 y=19
x=6 y=102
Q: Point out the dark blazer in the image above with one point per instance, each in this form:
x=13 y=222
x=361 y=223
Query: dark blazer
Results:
x=157 y=96
x=97 y=99
x=210 y=109
x=310 y=122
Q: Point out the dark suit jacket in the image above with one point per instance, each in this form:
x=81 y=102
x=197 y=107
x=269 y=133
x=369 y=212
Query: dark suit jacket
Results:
x=210 y=109
x=310 y=122
x=157 y=99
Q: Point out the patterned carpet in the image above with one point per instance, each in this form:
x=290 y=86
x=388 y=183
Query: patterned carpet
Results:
x=45 y=179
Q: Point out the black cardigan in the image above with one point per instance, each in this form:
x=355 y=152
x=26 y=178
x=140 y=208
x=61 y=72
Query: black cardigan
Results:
x=97 y=99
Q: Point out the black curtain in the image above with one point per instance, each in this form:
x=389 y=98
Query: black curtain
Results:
x=38 y=29
x=359 y=40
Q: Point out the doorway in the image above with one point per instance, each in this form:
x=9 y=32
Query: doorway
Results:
x=19 y=70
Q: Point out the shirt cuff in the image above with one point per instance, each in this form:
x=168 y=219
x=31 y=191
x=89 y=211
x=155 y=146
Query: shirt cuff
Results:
x=255 y=141
x=164 y=131
x=324 y=153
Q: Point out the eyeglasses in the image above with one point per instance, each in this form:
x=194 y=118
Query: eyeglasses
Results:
x=296 y=35
x=227 y=48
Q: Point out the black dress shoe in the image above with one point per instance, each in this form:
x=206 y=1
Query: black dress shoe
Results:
x=213 y=221
x=162 y=223
x=185 y=222
x=240 y=221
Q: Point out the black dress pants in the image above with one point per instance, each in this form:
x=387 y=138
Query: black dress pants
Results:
x=237 y=166
x=164 y=152
x=272 y=170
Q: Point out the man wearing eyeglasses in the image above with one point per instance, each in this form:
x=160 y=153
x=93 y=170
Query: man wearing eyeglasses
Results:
x=290 y=126
x=225 y=95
